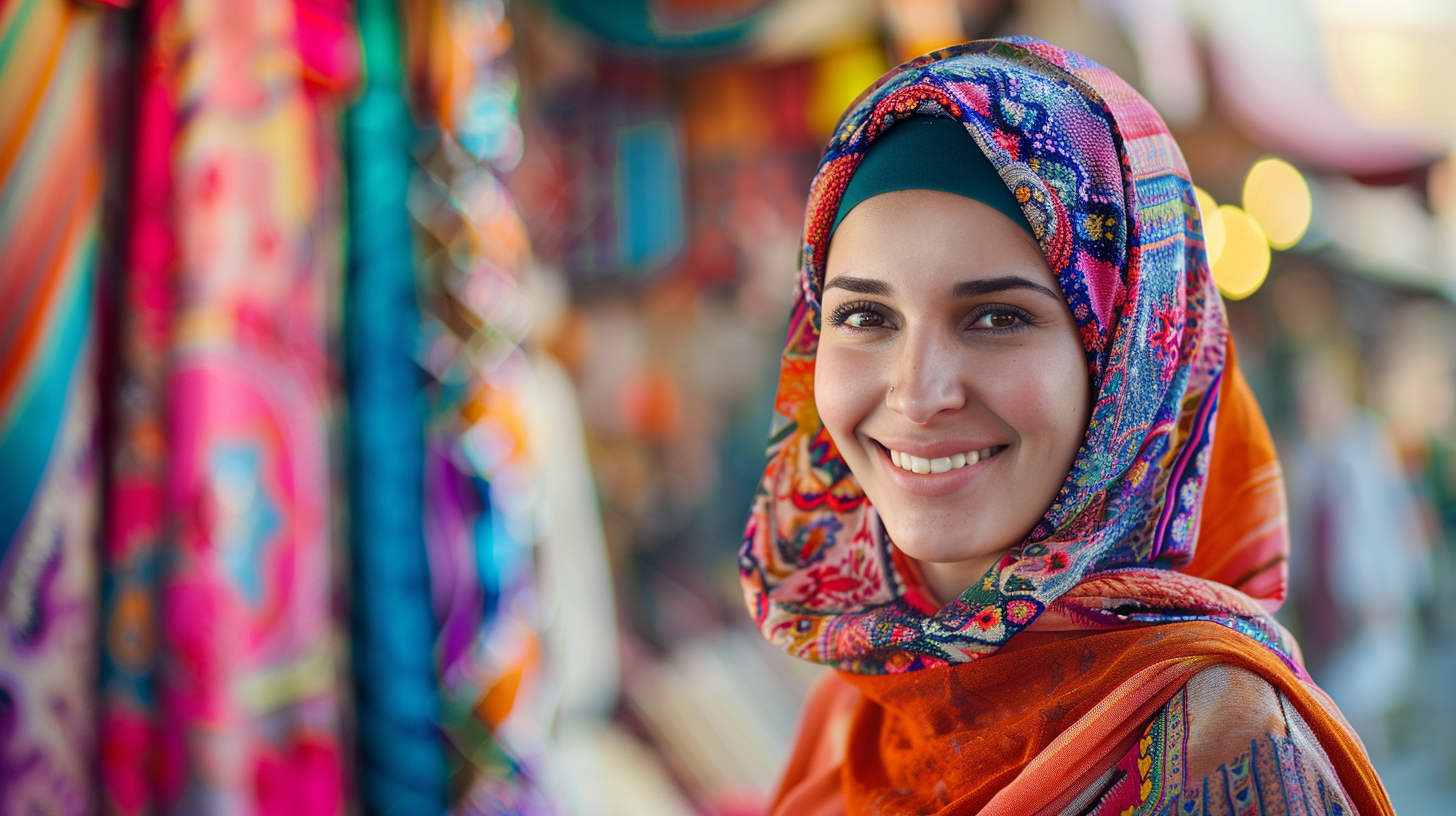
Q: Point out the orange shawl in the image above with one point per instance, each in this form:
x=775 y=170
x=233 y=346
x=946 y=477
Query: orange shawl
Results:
x=1029 y=728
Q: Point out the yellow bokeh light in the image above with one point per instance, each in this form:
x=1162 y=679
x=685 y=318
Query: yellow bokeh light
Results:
x=1277 y=197
x=1244 y=262
x=1213 y=234
x=839 y=77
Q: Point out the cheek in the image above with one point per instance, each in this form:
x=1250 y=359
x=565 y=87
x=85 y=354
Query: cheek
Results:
x=846 y=391
x=1045 y=398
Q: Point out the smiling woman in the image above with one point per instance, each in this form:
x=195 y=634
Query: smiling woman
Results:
x=1018 y=493
x=958 y=344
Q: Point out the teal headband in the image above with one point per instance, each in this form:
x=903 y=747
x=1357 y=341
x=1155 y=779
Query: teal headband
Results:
x=929 y=153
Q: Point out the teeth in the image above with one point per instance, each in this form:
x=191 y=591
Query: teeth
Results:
x=944 y=464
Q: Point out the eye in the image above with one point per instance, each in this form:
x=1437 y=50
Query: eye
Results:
x=861 y=315
x=1000 y=319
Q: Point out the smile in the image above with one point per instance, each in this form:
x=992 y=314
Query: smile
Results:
x=943 y=464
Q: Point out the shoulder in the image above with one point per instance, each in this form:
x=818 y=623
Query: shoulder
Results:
x=811 y=781
x=1228 y=708
x=824 y=725
x=1227 y=742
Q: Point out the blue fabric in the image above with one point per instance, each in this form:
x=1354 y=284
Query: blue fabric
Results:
x=402 y=767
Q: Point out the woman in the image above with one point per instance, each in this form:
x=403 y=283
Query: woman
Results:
x=1008 y=411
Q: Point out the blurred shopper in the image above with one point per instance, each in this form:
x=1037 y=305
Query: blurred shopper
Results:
x=983 y=494
x=1359 y=550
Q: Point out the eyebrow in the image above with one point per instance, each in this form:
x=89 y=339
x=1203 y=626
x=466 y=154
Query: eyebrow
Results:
x=976 y=288
x=964 y=289
x=860 y=286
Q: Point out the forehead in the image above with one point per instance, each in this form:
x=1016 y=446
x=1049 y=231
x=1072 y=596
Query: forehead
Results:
x=924 y=238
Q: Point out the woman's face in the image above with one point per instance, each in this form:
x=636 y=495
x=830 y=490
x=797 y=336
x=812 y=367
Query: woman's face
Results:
x=951 y=376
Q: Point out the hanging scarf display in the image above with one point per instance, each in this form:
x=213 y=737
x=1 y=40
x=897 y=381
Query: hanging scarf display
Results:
x=248 y=687
x=50 y=185
x=401 y=758
x=133 y=540
x=1162 y=467
x=481 y=479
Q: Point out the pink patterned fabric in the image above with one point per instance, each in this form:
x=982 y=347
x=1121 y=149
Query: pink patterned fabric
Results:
x=249 y=695
x=135 y=525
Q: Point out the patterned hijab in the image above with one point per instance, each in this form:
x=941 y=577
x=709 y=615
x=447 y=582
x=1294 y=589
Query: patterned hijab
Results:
x=1110 y=202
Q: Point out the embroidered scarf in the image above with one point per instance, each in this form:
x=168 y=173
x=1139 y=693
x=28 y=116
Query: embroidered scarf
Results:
x=1110 y=202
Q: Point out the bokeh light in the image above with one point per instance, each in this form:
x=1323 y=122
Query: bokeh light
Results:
x=1213 y=231
x=839 y=76
x=1244 y=262
x=1277 y=197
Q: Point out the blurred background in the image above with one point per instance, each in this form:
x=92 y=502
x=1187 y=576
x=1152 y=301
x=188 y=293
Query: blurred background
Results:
x=383 y=385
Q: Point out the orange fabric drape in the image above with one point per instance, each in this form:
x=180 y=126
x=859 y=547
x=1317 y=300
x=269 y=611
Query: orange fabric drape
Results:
x=1027 y=729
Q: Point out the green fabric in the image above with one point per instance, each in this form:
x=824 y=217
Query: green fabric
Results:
x=929 y=153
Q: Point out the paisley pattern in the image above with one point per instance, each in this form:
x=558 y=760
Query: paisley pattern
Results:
x=1110 y=201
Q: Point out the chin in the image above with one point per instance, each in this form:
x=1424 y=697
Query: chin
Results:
x=938 y=536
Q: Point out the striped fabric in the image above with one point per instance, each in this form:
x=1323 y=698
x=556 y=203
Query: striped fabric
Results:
x=50 y=182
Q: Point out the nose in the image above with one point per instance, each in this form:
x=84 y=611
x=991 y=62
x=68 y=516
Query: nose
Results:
x=927 y=378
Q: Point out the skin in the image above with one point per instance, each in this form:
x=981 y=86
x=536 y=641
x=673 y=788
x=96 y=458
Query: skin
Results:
x=957 y=340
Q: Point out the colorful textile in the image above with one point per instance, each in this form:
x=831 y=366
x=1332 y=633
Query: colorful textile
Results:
x=481 y=481
x=1104 y=187
x=133 y=543
x=1023 y=693
x=401 y=757
x=1055 y=739
x=248 y=692
x=50 y=185
x=1279 y=773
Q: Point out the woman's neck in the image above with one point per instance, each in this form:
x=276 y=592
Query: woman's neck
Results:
x=947 y=581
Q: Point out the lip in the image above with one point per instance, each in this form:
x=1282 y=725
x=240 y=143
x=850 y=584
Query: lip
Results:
x=934 y=484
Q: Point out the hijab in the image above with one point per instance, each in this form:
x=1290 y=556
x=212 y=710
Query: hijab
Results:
x=1108 y=198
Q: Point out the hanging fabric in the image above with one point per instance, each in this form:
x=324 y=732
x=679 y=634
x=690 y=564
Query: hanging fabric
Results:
x=481 y=479
x=401 y=757
x=132 y=544
x=50 y=185
x=249 y=716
